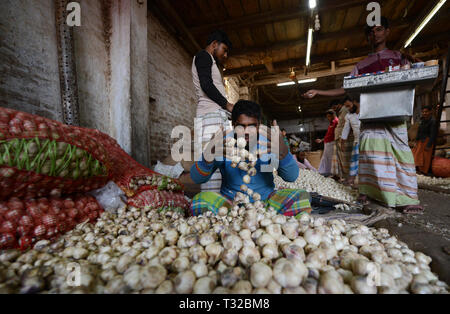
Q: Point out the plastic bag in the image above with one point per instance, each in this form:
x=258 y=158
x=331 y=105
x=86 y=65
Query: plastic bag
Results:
x=171 y=171
x=110 y=197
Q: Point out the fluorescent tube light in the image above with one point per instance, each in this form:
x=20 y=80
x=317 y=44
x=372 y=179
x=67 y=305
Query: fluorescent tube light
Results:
x=424 y=22
x=311 y=80
x=286 y=84
x=308 y=51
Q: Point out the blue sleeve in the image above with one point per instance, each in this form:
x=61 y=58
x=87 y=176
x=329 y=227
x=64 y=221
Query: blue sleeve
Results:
x=201 y=171
x=288 y=169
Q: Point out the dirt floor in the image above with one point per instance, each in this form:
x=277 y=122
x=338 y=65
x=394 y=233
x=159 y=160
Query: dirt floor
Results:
x=428 y=233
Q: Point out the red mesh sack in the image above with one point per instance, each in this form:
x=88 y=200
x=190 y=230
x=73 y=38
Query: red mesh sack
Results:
x=41 y=157
x=23 y=223
x=159 y=199
x=441 y=167
x=132 y=177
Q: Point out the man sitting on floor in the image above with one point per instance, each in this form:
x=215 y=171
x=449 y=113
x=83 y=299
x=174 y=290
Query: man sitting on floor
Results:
x=246 y=116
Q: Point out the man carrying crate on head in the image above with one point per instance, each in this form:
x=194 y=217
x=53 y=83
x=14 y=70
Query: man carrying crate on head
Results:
x=386 y=164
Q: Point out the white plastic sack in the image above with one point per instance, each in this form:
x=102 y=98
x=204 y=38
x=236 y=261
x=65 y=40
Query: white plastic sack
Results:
x=173 y=172
x=110 y=197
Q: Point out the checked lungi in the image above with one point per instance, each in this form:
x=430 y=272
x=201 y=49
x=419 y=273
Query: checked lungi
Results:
x=287 y=202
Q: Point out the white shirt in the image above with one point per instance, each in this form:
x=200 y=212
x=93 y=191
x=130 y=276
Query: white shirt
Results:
x=352 y=121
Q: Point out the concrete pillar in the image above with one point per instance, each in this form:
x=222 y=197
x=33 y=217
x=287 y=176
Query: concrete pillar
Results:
x=120 y=95
x=140 y=98
x=129 y=98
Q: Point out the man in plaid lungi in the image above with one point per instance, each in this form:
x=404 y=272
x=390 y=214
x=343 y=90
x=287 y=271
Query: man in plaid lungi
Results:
x=247 y=115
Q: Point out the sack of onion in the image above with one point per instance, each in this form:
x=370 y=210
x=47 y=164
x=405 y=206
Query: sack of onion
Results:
x=23 y=223
x=41 y=157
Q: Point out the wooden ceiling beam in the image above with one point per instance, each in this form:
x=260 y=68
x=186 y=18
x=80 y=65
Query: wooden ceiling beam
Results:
x=318 y=38
x=317 y=74
x=271 y=17
x=282 y=66
x=299 y=63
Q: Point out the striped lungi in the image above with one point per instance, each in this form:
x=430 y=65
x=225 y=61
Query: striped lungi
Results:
x=287 y=202
x=386 y=165
x=210 y=124
x=354 y=161
x=341 y=158
x=327 y=159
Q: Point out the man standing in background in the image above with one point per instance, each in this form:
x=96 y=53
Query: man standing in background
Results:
x=341 y=157
x=426 y=139
x=213 y=109
x=328 y=140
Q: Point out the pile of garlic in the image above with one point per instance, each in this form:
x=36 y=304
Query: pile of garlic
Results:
x=313 y=182
x=242 y=251
x=247 y=249
x=433 y=181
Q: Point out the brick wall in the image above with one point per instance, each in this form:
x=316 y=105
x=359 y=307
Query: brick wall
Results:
x=171 y=87
x=29 y=79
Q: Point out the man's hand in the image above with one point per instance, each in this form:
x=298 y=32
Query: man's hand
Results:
x=319 y=141
x=267 y=133
x=311 y=94
x=230 y=107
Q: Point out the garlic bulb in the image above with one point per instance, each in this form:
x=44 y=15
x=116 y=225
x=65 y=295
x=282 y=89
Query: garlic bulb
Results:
x=260 y=275
x=200 y=270
x=361 y=285
x=184 y=282
x=204 y=285
x=331 y=283
x=242 y=287
x=313 y=237
x=166 y=287
x=230 y=257
x=241 y=143
x=289 y=273
x=248 y=256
